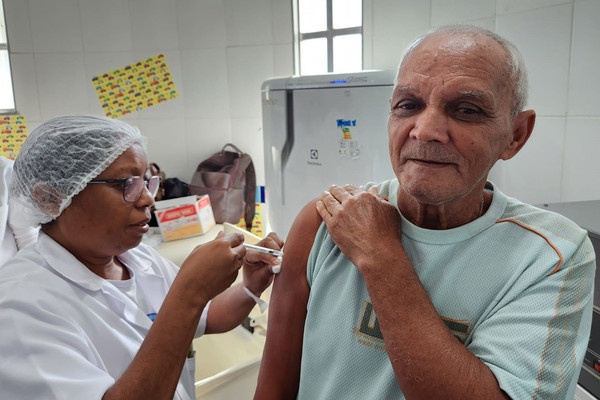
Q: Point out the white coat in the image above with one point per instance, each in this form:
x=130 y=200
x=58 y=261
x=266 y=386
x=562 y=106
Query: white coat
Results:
x=8 y=246
x=66 y=333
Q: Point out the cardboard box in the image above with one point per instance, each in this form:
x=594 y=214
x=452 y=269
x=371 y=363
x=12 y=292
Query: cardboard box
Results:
x=184 y=216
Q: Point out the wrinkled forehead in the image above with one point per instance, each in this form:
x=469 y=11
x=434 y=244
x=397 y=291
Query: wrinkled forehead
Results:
x=454 y=54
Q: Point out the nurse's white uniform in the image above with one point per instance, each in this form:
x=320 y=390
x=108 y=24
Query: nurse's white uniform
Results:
x=8 y=246
x=66 y=333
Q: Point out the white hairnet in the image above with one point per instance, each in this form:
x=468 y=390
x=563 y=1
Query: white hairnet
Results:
x=58 y=159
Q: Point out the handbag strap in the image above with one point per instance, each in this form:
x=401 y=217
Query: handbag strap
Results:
x=250 y=198
x=237 y=150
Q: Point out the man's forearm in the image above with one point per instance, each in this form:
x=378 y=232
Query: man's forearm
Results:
x=428 y=361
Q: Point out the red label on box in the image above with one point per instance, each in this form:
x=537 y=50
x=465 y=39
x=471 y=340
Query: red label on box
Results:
x=184 y=211
x=204 y=202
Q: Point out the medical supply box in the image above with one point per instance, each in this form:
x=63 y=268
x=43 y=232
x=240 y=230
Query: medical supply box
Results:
x=184 y=216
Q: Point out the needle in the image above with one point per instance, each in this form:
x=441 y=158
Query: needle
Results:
x=263 y=250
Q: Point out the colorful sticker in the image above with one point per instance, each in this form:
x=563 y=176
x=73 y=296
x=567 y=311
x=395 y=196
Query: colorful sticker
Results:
x=135 y=87
x=13 y=132
x=348 y=145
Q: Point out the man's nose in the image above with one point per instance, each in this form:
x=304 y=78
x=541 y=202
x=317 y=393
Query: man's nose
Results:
x=431 y=125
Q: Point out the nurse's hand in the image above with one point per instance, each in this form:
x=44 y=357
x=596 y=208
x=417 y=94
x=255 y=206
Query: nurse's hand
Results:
x=212 y=267
x=259 y=267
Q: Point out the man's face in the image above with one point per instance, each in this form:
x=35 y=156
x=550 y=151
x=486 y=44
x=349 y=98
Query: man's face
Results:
x=450 y=117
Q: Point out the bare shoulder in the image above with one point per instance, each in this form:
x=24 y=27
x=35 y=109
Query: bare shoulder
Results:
x=297 y=248
x=304 y=229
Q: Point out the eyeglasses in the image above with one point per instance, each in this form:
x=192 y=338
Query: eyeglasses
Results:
x=133 y=186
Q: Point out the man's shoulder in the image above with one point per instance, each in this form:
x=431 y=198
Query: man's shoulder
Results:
x=385 y=188
x=558 y=230
x=537 y=216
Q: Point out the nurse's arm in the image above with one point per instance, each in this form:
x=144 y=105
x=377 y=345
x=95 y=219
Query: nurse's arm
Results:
x=279 y=374
x=228 y=310
x=155 y=370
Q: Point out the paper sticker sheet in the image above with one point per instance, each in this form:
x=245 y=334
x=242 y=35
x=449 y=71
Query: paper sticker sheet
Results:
x=348 y=145
x=135 y=87
x=13 y=132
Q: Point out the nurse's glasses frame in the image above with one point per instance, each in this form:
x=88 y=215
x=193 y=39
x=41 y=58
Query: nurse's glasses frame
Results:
x=133 y=186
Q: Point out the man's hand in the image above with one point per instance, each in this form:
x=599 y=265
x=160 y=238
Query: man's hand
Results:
x=359 y=221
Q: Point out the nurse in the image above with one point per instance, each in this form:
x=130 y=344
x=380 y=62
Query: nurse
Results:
x=88 y=311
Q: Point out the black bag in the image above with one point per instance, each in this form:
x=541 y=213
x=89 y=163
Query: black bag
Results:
x=223 y=177
x=173 y=188
x=170 y=188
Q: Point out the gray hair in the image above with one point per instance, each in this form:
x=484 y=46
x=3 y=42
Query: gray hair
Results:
x=514 y=67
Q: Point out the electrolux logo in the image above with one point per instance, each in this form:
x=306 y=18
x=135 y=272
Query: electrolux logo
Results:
x=314 y=156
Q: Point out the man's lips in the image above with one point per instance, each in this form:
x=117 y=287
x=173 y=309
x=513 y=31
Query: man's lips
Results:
x=431 y=163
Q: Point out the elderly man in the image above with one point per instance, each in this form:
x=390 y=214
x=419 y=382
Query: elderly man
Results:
x=435 y=284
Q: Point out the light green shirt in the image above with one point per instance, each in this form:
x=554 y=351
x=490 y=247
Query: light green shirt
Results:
x=515 y=286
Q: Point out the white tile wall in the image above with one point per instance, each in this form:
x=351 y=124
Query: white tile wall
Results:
x=388 y=47
x=204 y=138
x=205 y=89
x=55 y=26
x=248 y=67
x=487 y=23
x=249 y=23
x=453 y=11
x=400 y=16
x=283 y=60
x=154 y=24
x=581 y=180
x=25 y=86
x=167 y=144
x=368 y=18
x=368 y=52
x=584 y=85
x=510 y=6
x=538 y=165
x=61 y=84
x=105 y=25
x=543 y=36
x=246 y=133
x=18 y=29
x=282 y=22
x=201 y=24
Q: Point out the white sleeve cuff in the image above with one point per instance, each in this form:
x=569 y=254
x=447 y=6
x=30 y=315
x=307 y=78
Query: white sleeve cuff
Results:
x=263 y=305
x=202 y=324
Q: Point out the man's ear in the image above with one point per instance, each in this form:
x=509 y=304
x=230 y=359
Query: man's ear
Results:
x=522 y=128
